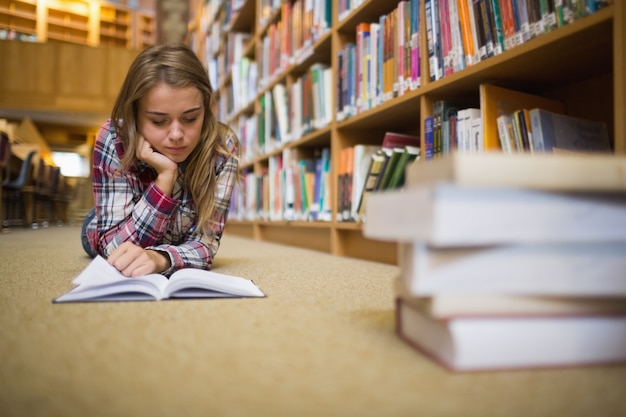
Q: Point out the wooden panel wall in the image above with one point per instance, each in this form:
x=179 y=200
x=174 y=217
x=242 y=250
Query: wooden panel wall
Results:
x=61 y=77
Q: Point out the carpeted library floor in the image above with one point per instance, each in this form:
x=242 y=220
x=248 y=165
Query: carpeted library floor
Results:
x=321 y=344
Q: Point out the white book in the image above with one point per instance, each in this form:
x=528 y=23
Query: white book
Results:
x=296 y=109
x=449 y=305
x=373 y=66
x=453 y=215
x=579 y=172
x=362 y=160
x=101 y=281
x=281 y=107
x=568 y=269
x=494 y=343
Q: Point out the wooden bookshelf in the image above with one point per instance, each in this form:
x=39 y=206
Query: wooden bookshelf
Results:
x=83 y=22
x=69 y=22
x=582 y=64
x=19 y=16
x=116 y=25
x=145 y=28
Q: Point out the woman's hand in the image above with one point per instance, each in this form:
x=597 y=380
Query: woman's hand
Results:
x=167 y=170
x=133 y=261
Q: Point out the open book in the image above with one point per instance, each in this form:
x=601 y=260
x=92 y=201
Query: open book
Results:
x=101 y=281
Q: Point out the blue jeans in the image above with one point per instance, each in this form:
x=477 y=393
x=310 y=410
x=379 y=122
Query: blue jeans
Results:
x=83 y=235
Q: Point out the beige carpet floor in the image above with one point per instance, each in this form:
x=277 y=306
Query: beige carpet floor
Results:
x=321 y=344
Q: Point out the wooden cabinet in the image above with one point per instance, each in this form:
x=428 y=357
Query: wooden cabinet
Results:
x=72 y=84
x=582 y=64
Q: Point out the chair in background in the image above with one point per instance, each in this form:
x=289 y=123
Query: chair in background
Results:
x=15 y=195
x=5 y=155
x=5 y=166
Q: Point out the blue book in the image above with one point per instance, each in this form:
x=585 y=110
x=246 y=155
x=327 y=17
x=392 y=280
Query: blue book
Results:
x=429 y=137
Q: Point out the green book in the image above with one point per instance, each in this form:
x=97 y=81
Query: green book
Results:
x=409 y=155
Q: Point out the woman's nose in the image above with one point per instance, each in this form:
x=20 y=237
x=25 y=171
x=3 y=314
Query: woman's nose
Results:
x=176 y=131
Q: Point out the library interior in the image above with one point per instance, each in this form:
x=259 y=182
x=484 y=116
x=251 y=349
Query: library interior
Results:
x=431 y=198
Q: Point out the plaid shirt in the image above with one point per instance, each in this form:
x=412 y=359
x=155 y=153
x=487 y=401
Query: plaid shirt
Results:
x=130 y=208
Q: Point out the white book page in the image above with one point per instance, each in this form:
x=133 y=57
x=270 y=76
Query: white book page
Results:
x=212 y=281
x=100 y=273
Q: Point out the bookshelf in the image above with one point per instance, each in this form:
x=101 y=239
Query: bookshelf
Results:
x=115 y=26
x=69 y=22
x=582 y=64
x=19 y=16
x=145 y=27
x=84 y=22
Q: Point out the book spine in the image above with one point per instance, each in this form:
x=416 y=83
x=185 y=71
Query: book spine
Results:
x=428 y=137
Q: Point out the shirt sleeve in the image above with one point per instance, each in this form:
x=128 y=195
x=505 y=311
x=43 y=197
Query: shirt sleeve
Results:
x=131 y=208
x=201 y=245
x=128 y=205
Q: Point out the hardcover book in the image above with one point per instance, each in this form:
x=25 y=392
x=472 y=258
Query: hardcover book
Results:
x=552 y=131
x=469 y=343
x=101 y=281
x=547 y=269
x=495 y=101
x=447 y=215
x=448 y=305
x=594 y=172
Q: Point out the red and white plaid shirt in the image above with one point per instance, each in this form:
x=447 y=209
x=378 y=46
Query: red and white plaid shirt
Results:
x=130 y=208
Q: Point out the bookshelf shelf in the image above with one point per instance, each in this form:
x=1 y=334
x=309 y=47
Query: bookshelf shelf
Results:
x=581 y=64
x=115 y=26
x=82 y=22
x=19 y=16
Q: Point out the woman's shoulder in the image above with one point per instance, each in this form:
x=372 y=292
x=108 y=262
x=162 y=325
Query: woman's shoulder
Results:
x=107 y=140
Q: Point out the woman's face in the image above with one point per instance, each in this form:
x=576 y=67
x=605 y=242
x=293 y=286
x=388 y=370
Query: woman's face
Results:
x=170 y=119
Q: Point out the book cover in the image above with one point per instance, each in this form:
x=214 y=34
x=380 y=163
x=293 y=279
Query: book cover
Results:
x=429 y=138
x=552 y=131
x=497 y=343
x=495 y=101
x=399 y=140
x=373 y=172
x=448 y=305
x=362 y=159
x=409 y=154
x=547 y=269
x=443 y=111
x=507 y=141
x=564 y=172
x=453 y=215
x=392 y=155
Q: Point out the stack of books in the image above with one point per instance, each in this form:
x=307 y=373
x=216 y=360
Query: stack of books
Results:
x=510 y=261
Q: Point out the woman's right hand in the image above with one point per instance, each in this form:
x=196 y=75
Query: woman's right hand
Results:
x=167 y=170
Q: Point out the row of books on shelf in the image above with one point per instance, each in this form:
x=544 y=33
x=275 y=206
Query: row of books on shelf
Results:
x=367 y=168
x=509 y=121
x=385 y=60
x=461 y=33
x=285 y=113
x=383 y=63
x=288 y=113
x=294 y=186
x=364 y=169
x=291 y=38
x=509 y=260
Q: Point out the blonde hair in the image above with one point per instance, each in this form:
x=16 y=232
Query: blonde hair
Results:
x=179 y=67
